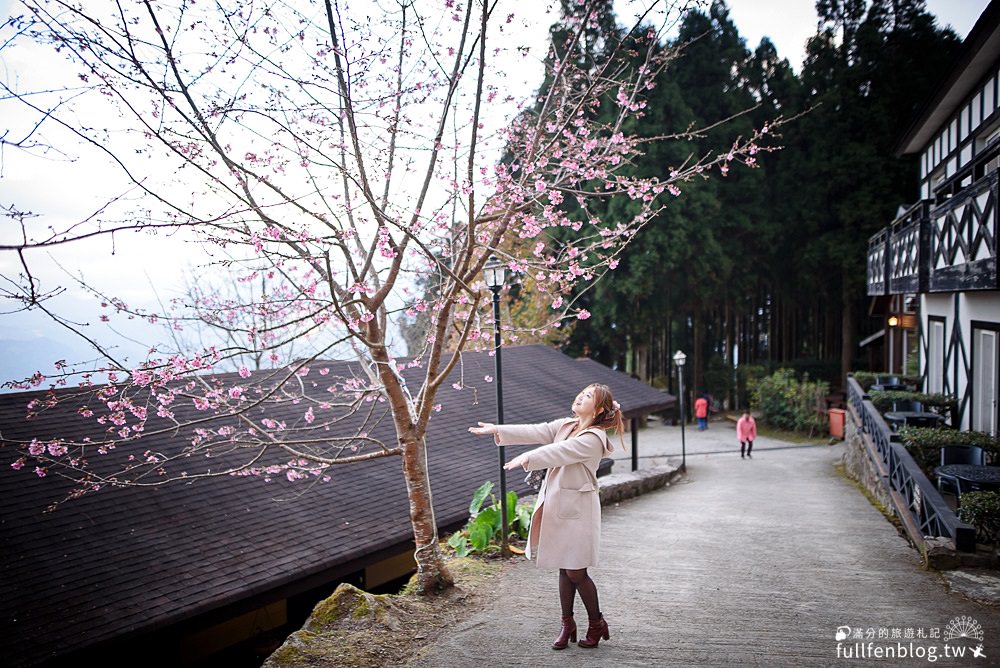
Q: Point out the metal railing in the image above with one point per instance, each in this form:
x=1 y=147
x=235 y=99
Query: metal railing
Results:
x=919 y=498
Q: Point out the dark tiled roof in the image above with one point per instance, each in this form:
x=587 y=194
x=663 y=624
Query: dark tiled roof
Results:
x=133 y=561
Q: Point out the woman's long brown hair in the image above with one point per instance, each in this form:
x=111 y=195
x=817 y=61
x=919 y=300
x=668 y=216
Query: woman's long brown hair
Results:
x=608 y=416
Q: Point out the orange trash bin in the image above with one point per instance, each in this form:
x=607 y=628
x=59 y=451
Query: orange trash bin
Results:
x=837 y=416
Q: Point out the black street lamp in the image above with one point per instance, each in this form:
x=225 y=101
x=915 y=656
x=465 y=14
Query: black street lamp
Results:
x=679 y=360
x=495 y=273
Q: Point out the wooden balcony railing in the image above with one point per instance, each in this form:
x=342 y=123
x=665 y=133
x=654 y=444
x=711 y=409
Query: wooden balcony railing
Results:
x=896 y=252
x=878 y=264
x=908 y=238
x=943 y=245
x=962 y=252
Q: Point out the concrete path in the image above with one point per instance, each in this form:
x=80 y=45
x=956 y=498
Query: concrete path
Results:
x=743 y=563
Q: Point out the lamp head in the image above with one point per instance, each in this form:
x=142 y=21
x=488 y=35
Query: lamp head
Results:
x=680 y=358
x=495 y=273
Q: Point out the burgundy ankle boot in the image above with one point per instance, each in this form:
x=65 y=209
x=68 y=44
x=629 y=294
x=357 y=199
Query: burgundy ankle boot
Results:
x=566 y=634
x=597 y=630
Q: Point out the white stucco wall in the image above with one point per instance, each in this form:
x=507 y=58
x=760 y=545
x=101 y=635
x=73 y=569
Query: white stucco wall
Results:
x=963 y=309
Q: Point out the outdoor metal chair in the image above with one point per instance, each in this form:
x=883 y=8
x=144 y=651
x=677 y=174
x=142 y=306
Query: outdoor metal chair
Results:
x=908 y=405
x=957 y=454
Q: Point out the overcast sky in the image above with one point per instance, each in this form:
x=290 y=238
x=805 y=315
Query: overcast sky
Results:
x=789 y=23
x=31 y=343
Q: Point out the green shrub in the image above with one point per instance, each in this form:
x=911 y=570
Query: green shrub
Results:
x=938 y=403
x=867 y=378
x=925 y=443
x=747 y=375
x=485 y=526
x=982 y=510
x=785 y=402
x=718 y=377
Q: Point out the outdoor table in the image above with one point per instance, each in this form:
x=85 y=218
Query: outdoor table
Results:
x=888 y=383
x=896 y=419
x=972 y=477
x=889 y=387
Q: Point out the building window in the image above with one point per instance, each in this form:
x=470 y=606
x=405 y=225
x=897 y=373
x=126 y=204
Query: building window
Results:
x=935 y=356
x=937 y=178
x=988 y=141
x=985 y=359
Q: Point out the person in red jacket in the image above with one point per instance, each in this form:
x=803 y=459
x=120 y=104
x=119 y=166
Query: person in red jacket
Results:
x=746 y=432
x=701 y=412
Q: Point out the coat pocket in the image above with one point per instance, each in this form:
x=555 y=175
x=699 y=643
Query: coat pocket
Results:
x=573 y=501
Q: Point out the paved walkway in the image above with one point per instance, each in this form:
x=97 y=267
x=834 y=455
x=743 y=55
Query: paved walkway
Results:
x=743 y=563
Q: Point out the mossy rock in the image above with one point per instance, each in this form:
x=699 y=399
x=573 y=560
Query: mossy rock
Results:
x=292 y=651
x=354 y=629
x=352 y=606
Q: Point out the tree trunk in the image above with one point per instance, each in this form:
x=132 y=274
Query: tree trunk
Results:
x=642 y=361
x=432 y=574
x=697 y=361
x=847 y=331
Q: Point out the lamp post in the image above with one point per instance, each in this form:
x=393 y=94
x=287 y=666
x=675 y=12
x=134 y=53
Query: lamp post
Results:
x=893 y=322
x=679 y=360
x=495 y=273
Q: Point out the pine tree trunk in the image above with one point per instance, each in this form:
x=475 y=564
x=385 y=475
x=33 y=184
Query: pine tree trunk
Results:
x=847 y=332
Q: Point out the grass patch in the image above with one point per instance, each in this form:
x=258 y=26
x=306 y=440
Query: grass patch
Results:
x=792 y=436
x=767 y=431
x=887 y=513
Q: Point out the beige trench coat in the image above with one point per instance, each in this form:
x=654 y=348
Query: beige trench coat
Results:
x=566 y=522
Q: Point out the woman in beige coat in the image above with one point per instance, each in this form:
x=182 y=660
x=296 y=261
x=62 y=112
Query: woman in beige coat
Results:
x=565 y=528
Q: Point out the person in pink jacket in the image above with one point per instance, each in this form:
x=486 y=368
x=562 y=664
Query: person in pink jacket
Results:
x=565 y=530
x=746 y=432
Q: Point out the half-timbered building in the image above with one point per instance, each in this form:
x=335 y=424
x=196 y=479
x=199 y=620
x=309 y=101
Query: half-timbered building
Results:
x=932 y=272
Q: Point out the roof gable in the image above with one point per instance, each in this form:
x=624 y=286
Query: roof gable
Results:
x=978 y=56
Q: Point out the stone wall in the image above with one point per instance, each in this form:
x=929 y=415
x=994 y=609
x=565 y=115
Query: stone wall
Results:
x=858 y=462
x=617 y=487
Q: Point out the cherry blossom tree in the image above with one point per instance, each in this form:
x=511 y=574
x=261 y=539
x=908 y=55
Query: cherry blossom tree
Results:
x=333 y=153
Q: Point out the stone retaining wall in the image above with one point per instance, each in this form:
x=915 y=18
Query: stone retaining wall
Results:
x=617 y=487
x=859 y=465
